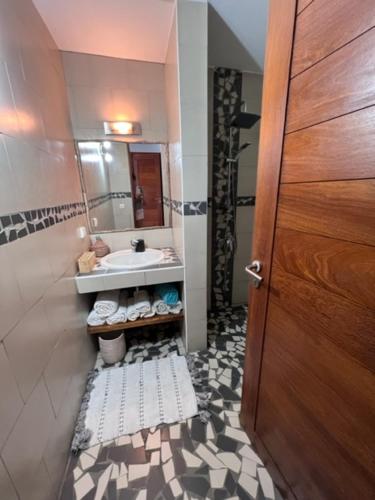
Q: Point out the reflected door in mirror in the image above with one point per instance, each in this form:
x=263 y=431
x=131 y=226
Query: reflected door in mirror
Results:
x=147 y=189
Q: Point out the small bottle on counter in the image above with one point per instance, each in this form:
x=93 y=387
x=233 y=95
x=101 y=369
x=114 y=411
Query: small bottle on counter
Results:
x=99 y=247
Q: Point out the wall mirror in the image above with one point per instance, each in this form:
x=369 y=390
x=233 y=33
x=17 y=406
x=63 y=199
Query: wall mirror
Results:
x=125 y=185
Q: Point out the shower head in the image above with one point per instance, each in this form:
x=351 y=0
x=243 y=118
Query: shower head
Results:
x=244 y=120
x=242 y=148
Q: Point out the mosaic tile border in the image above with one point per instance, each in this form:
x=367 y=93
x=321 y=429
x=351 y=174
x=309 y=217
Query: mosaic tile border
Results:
x=187 y=207
x=20 y=224
x=227 y=104
x=99 y=200
x=242 y=201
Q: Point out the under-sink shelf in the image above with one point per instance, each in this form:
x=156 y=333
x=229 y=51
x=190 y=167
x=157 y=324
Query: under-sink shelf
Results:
x=155 y=320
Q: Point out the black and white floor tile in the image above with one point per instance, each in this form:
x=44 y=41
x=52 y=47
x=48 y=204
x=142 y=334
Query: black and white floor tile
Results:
x=189 y=460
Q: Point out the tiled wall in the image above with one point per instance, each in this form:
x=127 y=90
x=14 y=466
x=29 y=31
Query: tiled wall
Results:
x=97 y=185
x=174 y=136
x=192 y=49
x=252 y=94
x=186 y=97
x=44 y=350
x=119 y=179
x=105 y=88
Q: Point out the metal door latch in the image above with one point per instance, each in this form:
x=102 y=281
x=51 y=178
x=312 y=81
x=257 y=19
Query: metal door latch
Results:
x=253 y=269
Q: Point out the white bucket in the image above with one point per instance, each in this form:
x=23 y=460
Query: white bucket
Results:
x=112 y=348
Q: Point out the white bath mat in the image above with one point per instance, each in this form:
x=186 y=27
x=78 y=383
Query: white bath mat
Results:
x=136 y=396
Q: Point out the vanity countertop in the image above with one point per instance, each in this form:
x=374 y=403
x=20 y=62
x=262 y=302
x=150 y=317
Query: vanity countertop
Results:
x=169 y=269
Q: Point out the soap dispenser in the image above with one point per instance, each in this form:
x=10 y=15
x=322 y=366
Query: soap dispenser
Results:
x=99 y=247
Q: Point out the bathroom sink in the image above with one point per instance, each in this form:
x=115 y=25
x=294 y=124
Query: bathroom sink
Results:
x=128 y=259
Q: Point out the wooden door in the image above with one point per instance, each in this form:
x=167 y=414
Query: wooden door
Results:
x=309 y=388
x=147 y=189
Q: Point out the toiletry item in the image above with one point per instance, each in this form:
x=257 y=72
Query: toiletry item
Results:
x=86 y=262
x=99 y=247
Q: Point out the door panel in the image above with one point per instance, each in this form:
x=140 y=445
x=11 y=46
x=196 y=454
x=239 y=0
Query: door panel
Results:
x=326 y=26
x=302 y=4
x=327 y=151
x=334 y=86
x=309 y=385
x=274 y=100
x=324 y=315
x=317 y=464
x=335 y=265
x=146 y=176
x=342 y=209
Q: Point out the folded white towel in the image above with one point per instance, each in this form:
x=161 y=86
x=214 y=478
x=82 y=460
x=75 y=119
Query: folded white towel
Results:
x=132 y=312
x=94 y=320
x=159 y=306
x=120 y=316
x=142 y=302
x=107 y=303
x=176 y=309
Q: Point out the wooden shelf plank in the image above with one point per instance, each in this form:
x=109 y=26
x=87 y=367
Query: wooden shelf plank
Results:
x=155 y=320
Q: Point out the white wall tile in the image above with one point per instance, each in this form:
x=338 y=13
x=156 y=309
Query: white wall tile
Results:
x=6 y=486
x=23 y=451
x=11 y=304
x=39 y=300
x=28 y=347
x=10 y=402
x=195 y=178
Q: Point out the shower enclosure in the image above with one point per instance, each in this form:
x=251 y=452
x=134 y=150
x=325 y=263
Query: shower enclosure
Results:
x=231 y=125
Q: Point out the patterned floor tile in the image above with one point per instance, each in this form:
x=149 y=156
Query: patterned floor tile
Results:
x=189 y=460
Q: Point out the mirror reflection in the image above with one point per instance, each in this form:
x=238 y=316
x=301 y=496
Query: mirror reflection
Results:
x=125 y=185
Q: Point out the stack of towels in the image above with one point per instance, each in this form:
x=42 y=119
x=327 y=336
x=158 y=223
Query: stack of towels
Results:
x=117 y=306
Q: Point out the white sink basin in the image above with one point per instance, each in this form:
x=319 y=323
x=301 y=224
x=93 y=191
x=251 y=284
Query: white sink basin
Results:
x=127 y=259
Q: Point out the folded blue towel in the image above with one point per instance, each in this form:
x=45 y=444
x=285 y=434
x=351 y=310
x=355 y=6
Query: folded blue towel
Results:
x=168 y=293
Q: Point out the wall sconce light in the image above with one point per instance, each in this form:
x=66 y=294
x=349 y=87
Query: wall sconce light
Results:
x=122 y=128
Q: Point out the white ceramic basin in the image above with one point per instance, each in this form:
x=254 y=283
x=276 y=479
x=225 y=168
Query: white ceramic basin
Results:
x=127 y=259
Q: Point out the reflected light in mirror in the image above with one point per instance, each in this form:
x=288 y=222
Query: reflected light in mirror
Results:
x=91 y=157
x=108 y=157
x=106 y=145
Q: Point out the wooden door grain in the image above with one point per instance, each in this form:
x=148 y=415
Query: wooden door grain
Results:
x=326 y=26
x=277 y=66
x=334 y=87
x=309 y=378
x=330 y=150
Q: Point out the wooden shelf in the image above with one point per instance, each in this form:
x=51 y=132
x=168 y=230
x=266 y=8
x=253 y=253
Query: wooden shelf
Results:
x=155 y=320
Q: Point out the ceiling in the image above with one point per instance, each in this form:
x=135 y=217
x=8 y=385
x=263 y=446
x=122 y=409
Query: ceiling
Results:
x=139 y=29
x=130 y=29
x=237 y=34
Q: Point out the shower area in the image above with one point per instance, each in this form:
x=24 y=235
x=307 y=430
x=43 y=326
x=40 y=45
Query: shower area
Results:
x=234 y=103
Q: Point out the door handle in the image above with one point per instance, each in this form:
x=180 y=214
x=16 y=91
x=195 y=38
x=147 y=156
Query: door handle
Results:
x=253 y=269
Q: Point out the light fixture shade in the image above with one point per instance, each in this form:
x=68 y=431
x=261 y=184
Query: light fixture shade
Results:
x=122 y=128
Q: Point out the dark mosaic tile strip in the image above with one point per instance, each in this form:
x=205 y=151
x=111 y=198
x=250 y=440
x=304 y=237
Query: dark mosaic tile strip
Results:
x=20 y=224
x=187 y=207
x=242 y=201
x=195 y=208
x=99 y=200
x=227 y=105
x=245 y=201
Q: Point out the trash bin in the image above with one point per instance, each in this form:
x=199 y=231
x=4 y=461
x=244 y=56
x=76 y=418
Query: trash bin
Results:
x=112 y=347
